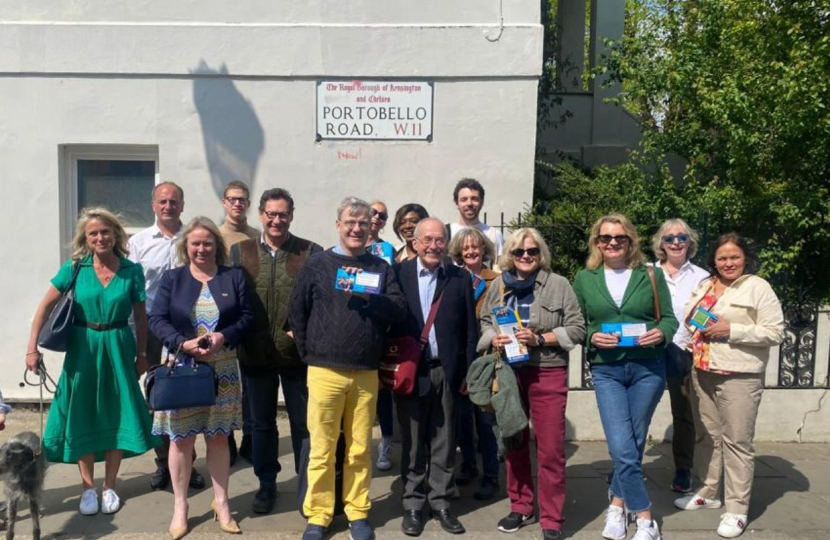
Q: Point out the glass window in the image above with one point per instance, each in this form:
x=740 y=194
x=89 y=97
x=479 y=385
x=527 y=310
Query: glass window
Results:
x=122 y=186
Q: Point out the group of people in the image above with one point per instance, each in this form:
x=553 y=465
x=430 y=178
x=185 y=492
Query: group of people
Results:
x=263 y=308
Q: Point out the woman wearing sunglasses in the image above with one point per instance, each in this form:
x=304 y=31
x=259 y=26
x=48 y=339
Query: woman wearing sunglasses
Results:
x=378 y=217
x=626 y=343
x=552 y=325
x=674 y=245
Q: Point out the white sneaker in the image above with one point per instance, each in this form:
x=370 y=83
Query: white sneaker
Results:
x=111 y=501
x=646 y=530
x=384 y=462
x=614 y=523
x=696 y=502
x=89 y=503
x=732 y=525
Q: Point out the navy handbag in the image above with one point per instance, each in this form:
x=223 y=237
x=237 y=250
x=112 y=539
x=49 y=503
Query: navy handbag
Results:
x=180 y=384
x=54 y=334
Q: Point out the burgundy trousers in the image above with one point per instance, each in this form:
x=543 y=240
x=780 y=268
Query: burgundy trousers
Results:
x=544 y=392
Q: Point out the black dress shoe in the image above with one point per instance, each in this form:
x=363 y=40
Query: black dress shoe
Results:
x=413 y=523
x=160 y=478
x=449 y=522
x=197 y=481
x=265 y=498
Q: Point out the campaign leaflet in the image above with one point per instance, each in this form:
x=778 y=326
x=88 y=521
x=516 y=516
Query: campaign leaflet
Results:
x=702 y=318
x=384 y=250
x=508 y=322
x=626 y=332
x=362 y=282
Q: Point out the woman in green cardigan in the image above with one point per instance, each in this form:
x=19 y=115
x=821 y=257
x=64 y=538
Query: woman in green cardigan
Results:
x=627 y=359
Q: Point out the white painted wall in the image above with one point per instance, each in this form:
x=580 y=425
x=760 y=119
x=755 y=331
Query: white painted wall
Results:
x=227 y=89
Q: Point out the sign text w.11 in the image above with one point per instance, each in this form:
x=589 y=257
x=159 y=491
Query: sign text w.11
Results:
x=385 y=110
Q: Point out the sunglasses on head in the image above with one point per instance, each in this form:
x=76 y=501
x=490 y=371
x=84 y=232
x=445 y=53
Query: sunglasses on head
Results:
x=671 y=238
x=606 y=238
x=383 y=216
x=521 y=252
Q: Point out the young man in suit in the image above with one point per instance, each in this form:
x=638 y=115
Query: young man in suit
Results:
x=428 y=416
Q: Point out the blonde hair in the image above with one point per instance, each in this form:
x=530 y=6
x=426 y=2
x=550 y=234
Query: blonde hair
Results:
x=80 y=249
x=634 y=257
x=201 y=222
x=460 y=238
x=516 y=240
x=657 y=239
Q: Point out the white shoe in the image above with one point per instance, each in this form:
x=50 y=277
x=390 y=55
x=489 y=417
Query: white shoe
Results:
x=646 y=530
x=384 y=462
x=89 y=503
x=111 y=501
x=696 y=502
x=615 y=523
x=732 y=525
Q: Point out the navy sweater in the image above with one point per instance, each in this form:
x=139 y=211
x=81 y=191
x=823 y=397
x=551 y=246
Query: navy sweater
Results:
x=334 y=328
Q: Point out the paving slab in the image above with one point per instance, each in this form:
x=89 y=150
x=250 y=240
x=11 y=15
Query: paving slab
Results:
x=791 y=499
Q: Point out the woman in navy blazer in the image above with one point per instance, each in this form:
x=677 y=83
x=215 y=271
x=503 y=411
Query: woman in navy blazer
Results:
x=201 y=309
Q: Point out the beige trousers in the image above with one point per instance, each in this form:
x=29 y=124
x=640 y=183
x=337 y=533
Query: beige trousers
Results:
x=726 y=407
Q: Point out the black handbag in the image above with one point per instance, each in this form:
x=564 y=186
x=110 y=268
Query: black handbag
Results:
x=180 y=384
x=54 y=335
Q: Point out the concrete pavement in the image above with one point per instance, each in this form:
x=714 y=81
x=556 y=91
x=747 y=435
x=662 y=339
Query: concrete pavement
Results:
x=791 y=499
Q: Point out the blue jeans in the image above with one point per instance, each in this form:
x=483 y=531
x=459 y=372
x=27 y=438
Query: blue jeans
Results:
x=263 y=387
x=386 y=417
x=627 y=394
x=471 y=420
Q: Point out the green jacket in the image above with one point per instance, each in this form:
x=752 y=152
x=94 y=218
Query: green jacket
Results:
x=511 y=420
x=268 y=345
x=637 y=306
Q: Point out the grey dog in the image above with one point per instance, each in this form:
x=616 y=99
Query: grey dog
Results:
x=22 y=468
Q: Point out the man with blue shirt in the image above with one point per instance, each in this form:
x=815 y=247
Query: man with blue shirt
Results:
x=428 y=416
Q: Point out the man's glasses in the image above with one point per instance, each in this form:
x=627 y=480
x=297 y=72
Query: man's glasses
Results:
x=620 y=238
x=519 y=253
x=351 y=224
x=283 y=216
x=428 y=241
x=672 y=238
x=237 y=200
x=383 y=216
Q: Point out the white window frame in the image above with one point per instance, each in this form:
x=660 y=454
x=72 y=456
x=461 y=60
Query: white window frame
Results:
x=70 y=154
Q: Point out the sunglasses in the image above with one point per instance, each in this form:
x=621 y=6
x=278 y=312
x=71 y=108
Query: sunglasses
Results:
x=620 y=238
x=518 y=253
x=383 y=216
x=672 y=238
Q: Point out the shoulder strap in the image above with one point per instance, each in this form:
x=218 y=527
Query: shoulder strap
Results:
x=75 y=271
x=657 y=314
x=449 y=232
x=433 y=312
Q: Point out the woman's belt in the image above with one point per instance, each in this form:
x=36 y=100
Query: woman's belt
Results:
x=100 y=327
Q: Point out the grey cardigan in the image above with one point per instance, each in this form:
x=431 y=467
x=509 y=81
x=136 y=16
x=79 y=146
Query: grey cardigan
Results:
x=554 y=309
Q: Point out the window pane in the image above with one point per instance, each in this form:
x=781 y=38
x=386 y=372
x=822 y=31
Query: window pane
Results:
x=121 y=186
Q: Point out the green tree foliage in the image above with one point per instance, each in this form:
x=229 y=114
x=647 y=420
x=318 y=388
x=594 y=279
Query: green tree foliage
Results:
x=740 y=90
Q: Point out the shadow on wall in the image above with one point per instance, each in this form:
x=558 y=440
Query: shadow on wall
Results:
x=233 y=136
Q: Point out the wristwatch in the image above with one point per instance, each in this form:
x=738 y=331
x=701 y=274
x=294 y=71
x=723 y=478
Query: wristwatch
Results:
x=541 y=339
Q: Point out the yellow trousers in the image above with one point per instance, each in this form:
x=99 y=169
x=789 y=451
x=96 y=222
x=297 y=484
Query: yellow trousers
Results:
x=336 y=395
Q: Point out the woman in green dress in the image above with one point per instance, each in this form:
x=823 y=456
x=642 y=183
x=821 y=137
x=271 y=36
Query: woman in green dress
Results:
x=98 y=412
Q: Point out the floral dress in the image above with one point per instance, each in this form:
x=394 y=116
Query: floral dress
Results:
x=226 y=414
